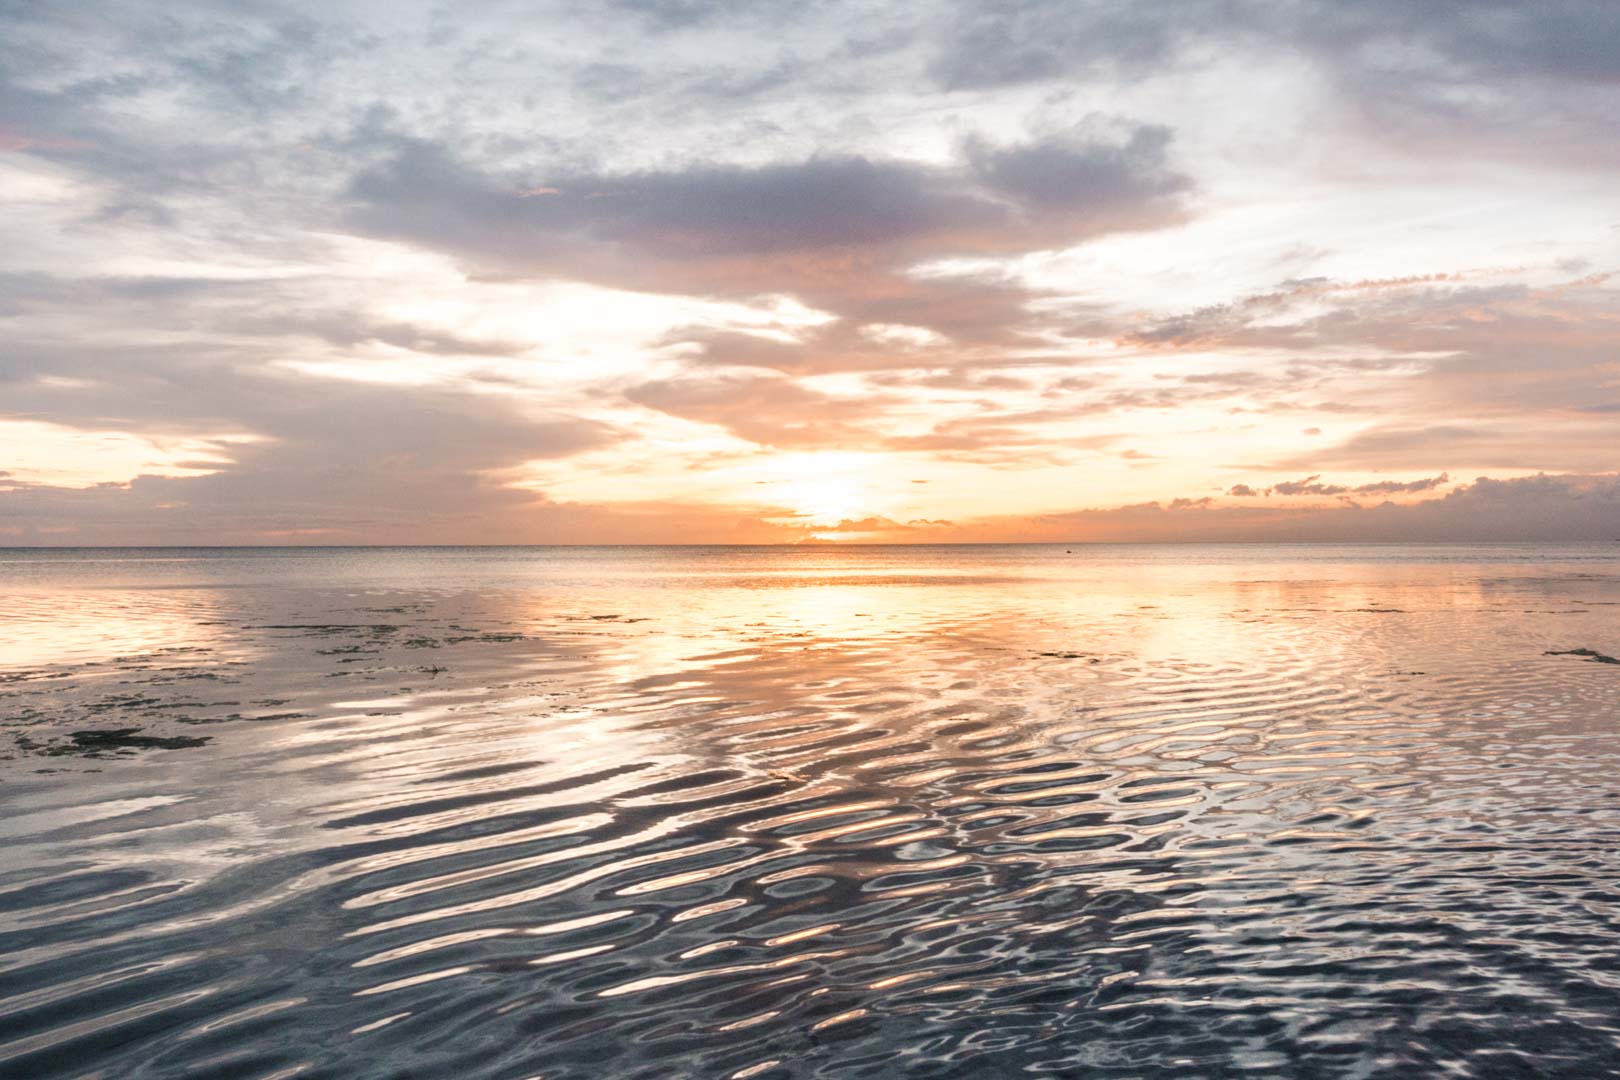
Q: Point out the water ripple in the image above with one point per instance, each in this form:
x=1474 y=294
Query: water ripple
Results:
x=983 y=813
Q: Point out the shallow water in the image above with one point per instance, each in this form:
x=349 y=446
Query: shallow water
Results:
x=710 y=812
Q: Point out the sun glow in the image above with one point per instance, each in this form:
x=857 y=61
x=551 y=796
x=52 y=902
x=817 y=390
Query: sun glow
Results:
x=825 y=488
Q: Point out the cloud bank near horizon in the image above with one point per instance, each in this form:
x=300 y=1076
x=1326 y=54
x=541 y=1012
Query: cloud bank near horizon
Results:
x=762 y=272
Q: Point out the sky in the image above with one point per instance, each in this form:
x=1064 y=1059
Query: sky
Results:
x=690 y=271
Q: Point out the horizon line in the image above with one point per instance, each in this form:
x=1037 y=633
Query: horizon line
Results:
x=802 y=544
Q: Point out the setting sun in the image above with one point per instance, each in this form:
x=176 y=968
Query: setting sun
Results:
x=824 y=488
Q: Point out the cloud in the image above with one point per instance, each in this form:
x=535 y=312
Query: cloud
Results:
x=1564 y=508
x=771 y=410
x=154 y=512
x=998 y=43
x=1307 y=486
x=1298 y=313
x=1312 y=485
x=1512 y=366
x=1089 y=179
x=996 y=200
x=1502 y=443
x=1023 y=40
x=349 y=457
x=1398 y=487
x=1480 y=74
x=835 y=230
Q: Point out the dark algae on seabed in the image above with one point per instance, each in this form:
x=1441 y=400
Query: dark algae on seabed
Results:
x=130 y=739
x=1590 y=654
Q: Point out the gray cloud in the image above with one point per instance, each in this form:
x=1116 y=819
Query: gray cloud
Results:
x=837 y=230
x=1307 y=486
x=1013 y=41
x=703 y=212
x=1017 y=41
x=1398 y=487
x=1549 y=508
x=1312 y=485
x=1452 y=347
x=356 y=460
x=1515 y=79
x=1074 y=175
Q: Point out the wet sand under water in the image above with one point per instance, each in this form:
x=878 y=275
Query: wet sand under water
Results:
x=833 y=812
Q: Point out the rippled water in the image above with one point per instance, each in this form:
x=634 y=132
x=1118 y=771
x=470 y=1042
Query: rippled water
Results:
x=984 y=811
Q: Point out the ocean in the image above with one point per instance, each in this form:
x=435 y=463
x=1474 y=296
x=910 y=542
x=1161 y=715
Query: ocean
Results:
x=942 y=811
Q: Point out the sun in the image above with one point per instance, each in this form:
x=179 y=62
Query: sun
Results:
x=825 y=501
x=823 y=488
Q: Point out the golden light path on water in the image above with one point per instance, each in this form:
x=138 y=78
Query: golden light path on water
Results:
x=829 y=811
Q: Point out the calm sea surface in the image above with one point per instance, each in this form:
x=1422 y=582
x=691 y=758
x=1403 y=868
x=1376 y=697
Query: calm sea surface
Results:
x=877 y=812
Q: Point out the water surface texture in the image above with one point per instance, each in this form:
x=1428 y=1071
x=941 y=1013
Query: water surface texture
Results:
x=717 y=812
